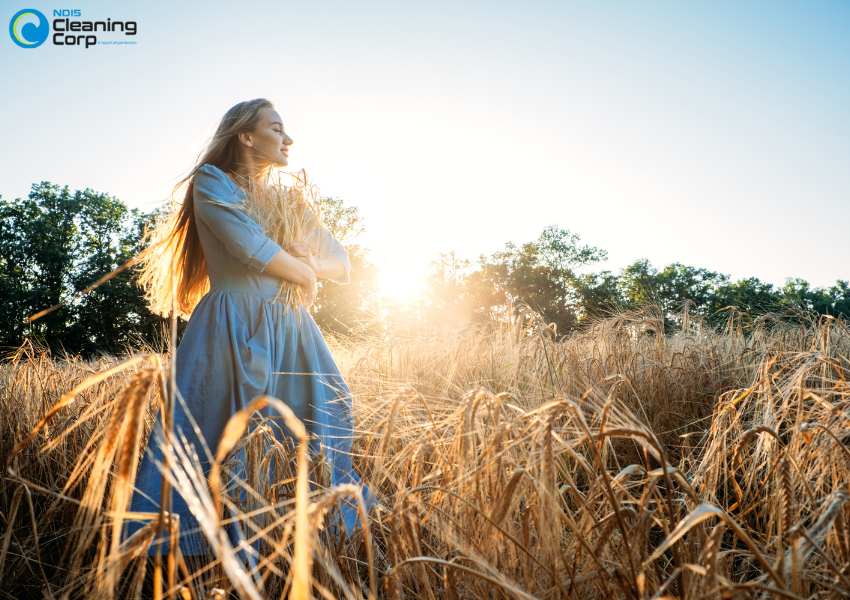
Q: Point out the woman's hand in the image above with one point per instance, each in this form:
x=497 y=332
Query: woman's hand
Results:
x=311 y=261
x=298 y=248
x=301 y=250
x=309 y=289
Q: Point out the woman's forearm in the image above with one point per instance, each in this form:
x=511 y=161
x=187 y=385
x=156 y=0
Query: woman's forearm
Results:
x=329 y=267
x=285 y=266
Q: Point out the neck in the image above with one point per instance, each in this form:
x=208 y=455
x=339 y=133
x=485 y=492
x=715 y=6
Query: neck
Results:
x=249 y=170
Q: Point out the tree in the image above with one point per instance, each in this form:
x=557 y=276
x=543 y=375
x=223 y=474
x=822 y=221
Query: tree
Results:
x=55 y=243
x=599 y=295
x=749 y=296
x=674 y=287
x=540 y=273
x=840 y=294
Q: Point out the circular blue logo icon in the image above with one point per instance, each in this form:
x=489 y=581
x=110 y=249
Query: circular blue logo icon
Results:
x=28 y=28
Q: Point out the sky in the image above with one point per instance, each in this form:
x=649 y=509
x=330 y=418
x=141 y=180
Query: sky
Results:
x=716 y=134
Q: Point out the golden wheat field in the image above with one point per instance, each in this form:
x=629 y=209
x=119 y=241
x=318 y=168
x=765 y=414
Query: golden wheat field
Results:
x=619 y=462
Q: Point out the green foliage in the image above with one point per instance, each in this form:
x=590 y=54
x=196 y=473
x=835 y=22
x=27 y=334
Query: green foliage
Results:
x=672 y=289
x=543 y=274
x=540 y=273
x=599 y=295
x=53 y=244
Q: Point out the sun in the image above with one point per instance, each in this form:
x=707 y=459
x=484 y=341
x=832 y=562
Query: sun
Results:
x=400 y=283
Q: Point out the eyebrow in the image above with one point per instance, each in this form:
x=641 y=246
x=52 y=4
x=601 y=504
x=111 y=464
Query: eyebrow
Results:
x=277 y=123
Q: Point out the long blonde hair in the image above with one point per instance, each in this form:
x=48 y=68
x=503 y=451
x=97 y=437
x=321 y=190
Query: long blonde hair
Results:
x=173 y=269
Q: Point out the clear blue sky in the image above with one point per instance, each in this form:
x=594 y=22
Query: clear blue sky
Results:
x=713 y=133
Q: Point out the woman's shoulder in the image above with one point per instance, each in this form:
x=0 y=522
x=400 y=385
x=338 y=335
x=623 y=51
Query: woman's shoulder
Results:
x=213 y=171
x=209 y=176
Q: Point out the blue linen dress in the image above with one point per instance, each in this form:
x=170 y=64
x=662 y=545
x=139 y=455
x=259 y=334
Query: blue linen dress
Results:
x=237 y=345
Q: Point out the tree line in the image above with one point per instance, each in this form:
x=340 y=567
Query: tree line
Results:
x=553 y=275
x=55 y=243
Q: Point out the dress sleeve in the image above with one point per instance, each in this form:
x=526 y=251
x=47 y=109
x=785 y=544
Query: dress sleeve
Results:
x=329 y=247
x=217 y=206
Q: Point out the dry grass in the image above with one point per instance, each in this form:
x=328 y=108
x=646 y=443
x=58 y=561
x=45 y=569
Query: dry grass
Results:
x=615 y=463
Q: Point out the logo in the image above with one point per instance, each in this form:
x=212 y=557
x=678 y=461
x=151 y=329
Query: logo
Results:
x=28 y=28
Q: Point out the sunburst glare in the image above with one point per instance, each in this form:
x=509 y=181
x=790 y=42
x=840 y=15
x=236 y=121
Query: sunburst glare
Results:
x=400 y=282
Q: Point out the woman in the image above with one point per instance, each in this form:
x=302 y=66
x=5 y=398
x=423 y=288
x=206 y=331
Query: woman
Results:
x=240 y=342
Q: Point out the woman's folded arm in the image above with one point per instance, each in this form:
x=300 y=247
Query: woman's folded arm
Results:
x=218 y=208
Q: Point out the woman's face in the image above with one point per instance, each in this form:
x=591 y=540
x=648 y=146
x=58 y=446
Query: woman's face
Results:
x=269 y=142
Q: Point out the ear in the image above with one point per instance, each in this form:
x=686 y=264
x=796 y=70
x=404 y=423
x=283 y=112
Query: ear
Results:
x=245 y=138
